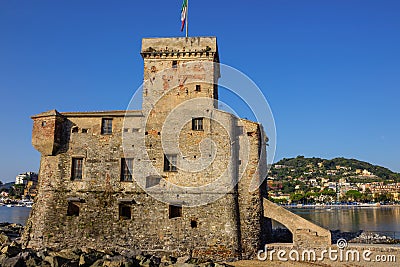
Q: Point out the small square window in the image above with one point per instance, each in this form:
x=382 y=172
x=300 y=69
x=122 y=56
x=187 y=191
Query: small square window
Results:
x=125 y=212
x=175 y=211
x=76 y=173
x=85 y=130
x=170 y=162
x=106 y=126
x=174 y=64
x=198 y=87
x=126 y=169
x=75 y=129
x=197 y=124
x=152 y=181
x=73 y=208
x=126 y=130
x=44 y=123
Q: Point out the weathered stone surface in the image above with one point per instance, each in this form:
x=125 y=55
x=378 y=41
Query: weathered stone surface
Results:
x=98 y=263
x=85 y=212
x=4 y=239
x=11 y=250
x=69 y=254
x=183 y=259
x=13 y=262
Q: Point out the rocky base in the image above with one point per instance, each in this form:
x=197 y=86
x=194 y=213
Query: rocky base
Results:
x=12 y=255
x=361 y=237
x=364 y=237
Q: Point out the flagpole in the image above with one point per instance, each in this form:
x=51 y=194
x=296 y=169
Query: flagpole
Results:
x=187 y=17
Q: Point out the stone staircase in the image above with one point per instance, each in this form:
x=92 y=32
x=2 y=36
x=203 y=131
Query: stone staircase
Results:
x=305 y=233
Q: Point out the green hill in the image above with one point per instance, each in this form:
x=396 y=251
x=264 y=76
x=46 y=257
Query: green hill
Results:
x=312 y=167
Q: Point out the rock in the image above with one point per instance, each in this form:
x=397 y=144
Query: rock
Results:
x=208 y=264
x=183 y=259
x=184 y=265
x=32 y=262
x=87 y=259
x=11 y=250
x=4 y=239
x=155 y=260
x=130 y=254
x=143 y=260
x=3 y=257
x=168 y=260
x=16 y=261
x=56 y=261
x=69 y=254
x=97 y=263
x=42 y=254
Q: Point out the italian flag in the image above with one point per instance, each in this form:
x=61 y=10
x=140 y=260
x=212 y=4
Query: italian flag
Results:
x=183 y=14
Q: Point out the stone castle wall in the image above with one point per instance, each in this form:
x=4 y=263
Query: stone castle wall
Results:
x=217 y=218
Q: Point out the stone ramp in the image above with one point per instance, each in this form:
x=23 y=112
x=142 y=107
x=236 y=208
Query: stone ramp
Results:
x=305 y=233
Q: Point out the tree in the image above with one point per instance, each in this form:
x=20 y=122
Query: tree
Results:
x=297 y=197
x=353 y=195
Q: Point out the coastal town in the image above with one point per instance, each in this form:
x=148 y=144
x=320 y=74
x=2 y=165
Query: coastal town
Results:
x=308 y=182
x=321 y=182
x=21 y=192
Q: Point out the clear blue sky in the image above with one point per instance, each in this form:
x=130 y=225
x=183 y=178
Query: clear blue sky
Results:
x=330 y=69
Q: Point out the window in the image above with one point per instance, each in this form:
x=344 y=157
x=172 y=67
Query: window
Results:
x=126 y=169
x=175 y=211
x=152 y=181
x=125 y=212
x=76 y=173
x=197 y=124
x=174 y=64
x=198 y=87
x=170 y=162
x=75 y=129
x=44 y=123
x=85 y=130
x=106 y=126
x=73 y=209
x=193 y=223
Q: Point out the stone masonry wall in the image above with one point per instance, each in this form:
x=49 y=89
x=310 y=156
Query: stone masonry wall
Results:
x=210 y=161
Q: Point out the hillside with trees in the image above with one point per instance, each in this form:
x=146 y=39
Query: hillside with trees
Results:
x=317 y=180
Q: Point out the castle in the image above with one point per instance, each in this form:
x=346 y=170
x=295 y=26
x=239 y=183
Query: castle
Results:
x=174 y=177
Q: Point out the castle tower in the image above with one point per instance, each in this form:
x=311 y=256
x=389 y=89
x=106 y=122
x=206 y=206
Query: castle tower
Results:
x=174 y=188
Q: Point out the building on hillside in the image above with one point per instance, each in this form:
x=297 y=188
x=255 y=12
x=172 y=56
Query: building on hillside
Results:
x=24 y=178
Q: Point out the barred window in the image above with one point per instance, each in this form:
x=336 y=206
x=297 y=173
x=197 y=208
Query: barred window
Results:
x=170 y=162
x=126 y=169
x=106 y=126
x=197 y=124
x=76 y=173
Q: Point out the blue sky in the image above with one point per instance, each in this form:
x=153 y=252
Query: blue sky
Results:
x=330 y=69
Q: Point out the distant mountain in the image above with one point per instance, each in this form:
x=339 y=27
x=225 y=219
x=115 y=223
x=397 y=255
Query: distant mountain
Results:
x=302 y=165
x=7 y=185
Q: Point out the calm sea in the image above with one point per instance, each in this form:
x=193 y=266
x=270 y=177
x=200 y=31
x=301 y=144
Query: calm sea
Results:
x=14 y=214
x=353 y=219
